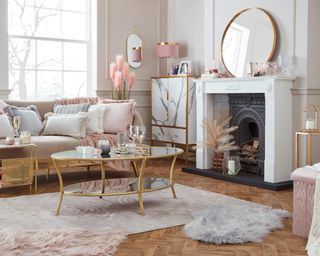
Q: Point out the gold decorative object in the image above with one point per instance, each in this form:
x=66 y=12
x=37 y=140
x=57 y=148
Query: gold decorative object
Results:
x=219 y=139
x=142 y=150
x=310 y=117
x=18 y=171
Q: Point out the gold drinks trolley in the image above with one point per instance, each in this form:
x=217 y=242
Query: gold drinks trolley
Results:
x=116 y=187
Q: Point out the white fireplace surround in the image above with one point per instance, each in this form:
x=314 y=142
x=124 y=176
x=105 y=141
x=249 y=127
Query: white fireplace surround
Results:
x=278 y=120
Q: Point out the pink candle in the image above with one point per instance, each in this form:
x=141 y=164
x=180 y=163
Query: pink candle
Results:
x=136 y=54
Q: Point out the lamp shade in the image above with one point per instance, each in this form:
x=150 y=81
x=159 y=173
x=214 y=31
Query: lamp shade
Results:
x=167 y=50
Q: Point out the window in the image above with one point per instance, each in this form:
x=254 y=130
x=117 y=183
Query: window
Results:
x=49 y=54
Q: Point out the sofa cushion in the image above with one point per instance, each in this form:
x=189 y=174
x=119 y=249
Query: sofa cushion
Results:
x=74 y=125
x=6 y=129
x=77 y=100
x=43 y=107
x=30 y=118
x=95 y=123
x=71 y=108
x=3 y=105
x=118 y=117
x=48 y=145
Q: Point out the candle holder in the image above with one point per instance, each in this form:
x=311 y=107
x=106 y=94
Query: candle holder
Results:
x=231 y=165
x=310 y=117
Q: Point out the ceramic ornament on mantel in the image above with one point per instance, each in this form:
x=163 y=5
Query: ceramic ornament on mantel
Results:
x=122 y=78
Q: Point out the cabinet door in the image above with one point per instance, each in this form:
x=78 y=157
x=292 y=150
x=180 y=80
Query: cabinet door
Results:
x=160 y=101
x=174 y=135
x=177 y=102
x=157 y=133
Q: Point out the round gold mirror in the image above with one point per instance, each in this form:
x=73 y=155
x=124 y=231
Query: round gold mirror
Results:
x=249 y=37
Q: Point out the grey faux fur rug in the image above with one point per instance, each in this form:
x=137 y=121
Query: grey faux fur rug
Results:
x=234 y=224
x=36 y=212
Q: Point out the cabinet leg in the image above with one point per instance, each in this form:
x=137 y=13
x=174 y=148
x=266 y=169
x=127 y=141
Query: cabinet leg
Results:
x=297 y=149
x=309 y=149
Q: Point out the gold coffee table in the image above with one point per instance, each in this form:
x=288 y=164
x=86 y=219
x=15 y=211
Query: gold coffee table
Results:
x=116 y=187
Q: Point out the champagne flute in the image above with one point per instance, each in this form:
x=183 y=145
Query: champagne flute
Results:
x=133 y=132
x=142 y=134
x=17 y=123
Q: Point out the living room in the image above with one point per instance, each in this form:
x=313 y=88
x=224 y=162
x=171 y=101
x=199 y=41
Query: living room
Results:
x=159 y=127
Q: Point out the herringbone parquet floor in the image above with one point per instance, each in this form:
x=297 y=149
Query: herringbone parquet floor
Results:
x=172 y=241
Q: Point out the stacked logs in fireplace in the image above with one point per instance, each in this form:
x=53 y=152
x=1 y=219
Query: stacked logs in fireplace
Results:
x=249 y=156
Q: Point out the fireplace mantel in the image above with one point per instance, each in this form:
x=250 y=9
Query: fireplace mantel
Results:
x=278 y=120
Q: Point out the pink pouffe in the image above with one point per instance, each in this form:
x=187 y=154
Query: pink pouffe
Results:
x=304 y=182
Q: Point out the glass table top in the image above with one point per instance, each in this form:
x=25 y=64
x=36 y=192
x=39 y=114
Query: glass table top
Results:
x=123 y=185
x=155 y=152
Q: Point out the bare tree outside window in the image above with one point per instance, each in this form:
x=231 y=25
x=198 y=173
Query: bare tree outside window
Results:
x=48 y=47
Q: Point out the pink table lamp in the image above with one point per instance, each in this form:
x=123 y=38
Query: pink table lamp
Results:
x=167 y=50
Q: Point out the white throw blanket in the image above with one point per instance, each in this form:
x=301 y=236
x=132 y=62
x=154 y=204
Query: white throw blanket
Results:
x=313 y=246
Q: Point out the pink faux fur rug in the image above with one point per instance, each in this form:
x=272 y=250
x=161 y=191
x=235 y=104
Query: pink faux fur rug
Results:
x=59 y=242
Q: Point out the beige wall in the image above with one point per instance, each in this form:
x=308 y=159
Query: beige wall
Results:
x=121 y=17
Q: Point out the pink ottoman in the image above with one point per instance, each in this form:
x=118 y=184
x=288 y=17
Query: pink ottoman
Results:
x=304 y=181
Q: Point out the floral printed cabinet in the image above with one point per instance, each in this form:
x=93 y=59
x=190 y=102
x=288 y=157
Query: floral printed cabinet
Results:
x=174 y=111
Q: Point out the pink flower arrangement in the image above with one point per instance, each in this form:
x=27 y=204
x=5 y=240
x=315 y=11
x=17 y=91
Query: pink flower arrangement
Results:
x=122 y=78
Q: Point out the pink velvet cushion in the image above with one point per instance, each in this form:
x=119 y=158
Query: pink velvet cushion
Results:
x=118 y=117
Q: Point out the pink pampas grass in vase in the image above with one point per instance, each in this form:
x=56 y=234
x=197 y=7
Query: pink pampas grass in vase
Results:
x=123 y=80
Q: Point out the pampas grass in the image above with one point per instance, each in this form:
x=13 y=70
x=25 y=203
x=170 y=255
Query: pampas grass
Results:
x=218 y=135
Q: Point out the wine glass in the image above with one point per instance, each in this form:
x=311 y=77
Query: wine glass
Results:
x=17 y=123
x=141 y=134
x=133 y=132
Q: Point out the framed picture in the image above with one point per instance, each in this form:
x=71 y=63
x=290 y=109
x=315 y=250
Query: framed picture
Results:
x=185 y=67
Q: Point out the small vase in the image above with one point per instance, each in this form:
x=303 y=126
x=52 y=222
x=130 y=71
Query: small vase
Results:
x=217 y=161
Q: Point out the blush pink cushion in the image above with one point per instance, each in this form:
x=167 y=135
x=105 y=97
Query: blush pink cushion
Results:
x=118 y=117
x=304 y=181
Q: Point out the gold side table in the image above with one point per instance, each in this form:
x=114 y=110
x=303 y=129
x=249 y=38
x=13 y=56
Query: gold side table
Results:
x=19 y=171
x=309 y=136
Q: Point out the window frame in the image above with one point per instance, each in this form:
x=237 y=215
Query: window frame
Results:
x=88 y=42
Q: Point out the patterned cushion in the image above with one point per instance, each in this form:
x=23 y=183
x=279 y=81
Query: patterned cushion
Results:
x=77 y=100
x=30 y=118
x=71 y=108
